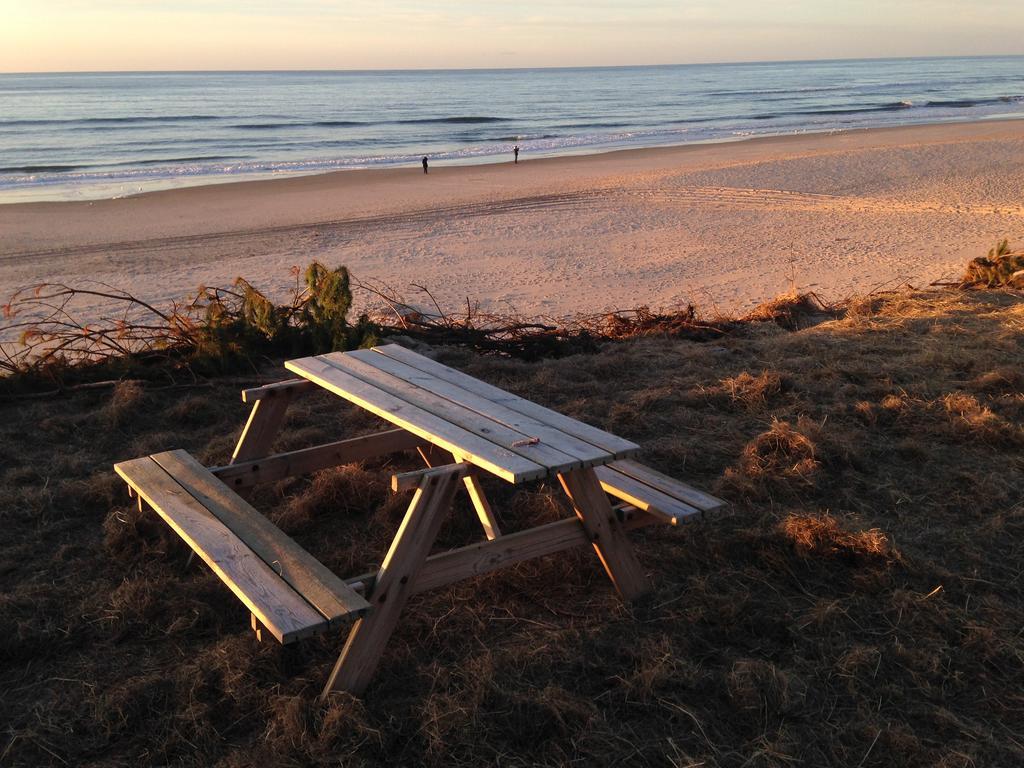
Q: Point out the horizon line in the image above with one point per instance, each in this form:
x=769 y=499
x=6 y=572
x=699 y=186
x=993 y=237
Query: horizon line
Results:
x=510 y=69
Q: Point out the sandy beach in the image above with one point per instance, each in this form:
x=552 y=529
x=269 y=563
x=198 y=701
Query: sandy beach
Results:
x=724 y=225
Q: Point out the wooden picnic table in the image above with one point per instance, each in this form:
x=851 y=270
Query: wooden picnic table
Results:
x=465 y=430
x=490 y=429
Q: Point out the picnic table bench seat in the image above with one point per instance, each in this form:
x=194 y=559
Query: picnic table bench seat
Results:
x=648 y=490
x=287 y=590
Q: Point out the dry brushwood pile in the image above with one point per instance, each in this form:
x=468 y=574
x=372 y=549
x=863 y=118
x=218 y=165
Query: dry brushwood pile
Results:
x=54 y=333
x=50 y=329
x=860 y=605
x=1001 y=268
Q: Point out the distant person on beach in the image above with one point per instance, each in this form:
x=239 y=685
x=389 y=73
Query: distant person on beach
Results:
x=424 y=163
x=515 y=151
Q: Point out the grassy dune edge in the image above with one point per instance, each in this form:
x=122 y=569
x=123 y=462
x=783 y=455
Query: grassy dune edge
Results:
x=861 y=603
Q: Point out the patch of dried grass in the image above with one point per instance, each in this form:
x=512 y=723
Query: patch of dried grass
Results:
x=338 y=492
x=758 y=685
x=821 y=536
x=793 y=311
x=1001 y=380
x=972 y=420
x=126 y=400
x=750 y=391
x=783 y=458
x=299 y=729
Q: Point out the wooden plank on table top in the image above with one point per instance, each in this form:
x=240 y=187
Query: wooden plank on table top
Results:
x=705 y=502
x=278 y=607
x=522 y=443
x=586 y=453
x=643 y=497
x=470 y=447
x=304 y=573
x=613 y=444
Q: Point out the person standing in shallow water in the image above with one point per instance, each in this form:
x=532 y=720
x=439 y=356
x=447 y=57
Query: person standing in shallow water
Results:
x=515 y=151
x=424 y=163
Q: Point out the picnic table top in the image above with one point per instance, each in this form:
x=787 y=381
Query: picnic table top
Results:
x=502 y=433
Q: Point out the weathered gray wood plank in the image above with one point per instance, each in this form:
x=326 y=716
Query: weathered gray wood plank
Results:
x=304 y=573
x=617 y=446
x=650 y=500
x=470 y=447
x=279 y=608
x=705 y=502
x=585 y=453
x=521 y=443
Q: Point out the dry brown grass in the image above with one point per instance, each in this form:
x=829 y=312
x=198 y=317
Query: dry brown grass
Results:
x=747 y=391
x=794 y=310
x=782 y=453
x=821 y=536
x=860 y=606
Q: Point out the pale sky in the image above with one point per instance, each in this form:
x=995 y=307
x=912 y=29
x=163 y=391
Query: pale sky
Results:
x=71 y=35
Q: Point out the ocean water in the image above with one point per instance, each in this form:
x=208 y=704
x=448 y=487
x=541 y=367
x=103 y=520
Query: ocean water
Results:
x=93 y=135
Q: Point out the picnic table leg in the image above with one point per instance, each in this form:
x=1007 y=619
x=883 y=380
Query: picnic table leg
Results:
x=394 y=583
x=605 y=532
x=482 y=506
x=434 y=457
x=261 y=429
